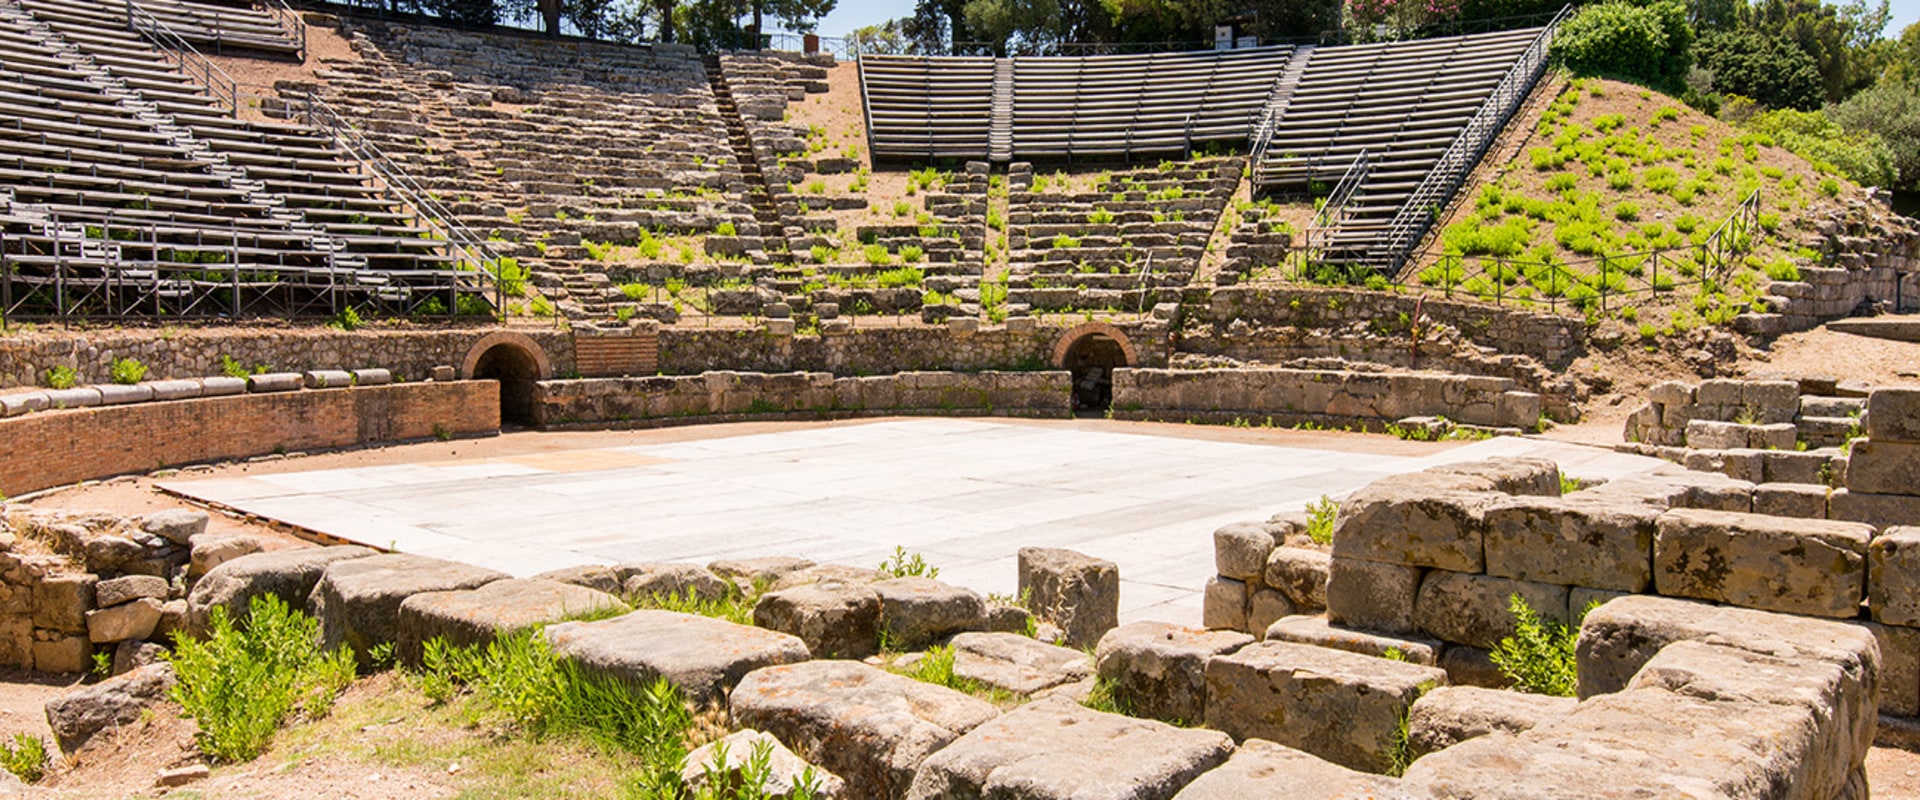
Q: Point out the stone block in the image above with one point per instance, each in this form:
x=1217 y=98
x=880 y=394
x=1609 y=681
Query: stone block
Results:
x=1617 y=639
x=1300 y=574
x=1449 y=715
x=287 y=574
x=327 y=379
x=1315 y=630
x=372 y=377
x=1704 y=434
x=1240 y=550
x=1056 y=749
x=132 y=620
x=1264 y=769
x=1723 y=393
x=671 y=579
x=1879 y=467
x=477 y=617
x=1472 y=666
x=785 y=771
x=131 y=655
x=1340 y=706
x=1792 y=466
x=224 y=387
x=916 y=612
x=703 y=656
x=176 y=525
x=1525 y=476
x=274 y=382
x=78 y=716
x=77 y=397
x=869 y=726
x=1893 y=576
x=1415 y=520
x=1599 y=542
x=1878 y=510
x=1475 y=610
x=1899 y=668
x=358 y=599
x=1372 y=596
x=1223 y=604
x=61 y=602
x=1158 y=669
x=113 y=592
x=1517 y=410
x=213 y=549
x=63 y=654
x=1773 y=436
x=1264 y=607
x=1798 y=500
x=749 y=573
x=835 y=619
x=1813 y=567
x=1077 y=592
x=1017 y=664
x=598 y=577
x=1893 y=415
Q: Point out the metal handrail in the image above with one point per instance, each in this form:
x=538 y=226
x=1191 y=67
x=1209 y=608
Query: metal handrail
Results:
x=1333 y=213
x=290 y=21
x=1417 y=215
x=219 y=85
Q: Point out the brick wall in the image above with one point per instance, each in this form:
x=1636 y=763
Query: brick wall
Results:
x=58 y=447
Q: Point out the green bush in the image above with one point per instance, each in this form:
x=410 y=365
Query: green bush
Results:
x=1539 y=657
x=1862 y=157
x=1320 y=516
x=127 y=371
x=1890 y=109
x=26 y=757
x=243 y=681
x=1645 y=43
x=62 y=377
x=1763 y=67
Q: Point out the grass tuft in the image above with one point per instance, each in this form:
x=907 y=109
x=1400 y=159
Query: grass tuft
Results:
x=242 y=682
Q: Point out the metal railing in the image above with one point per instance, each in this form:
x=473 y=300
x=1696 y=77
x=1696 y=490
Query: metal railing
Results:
x=219 y=85
x=290 y=22
x=1422 y=208
x=1332 y=214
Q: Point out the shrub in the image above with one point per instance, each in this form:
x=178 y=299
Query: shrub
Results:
x=1100 y=216
x=1861 y=156
x=62 y=377
x=1890 y=109
x=1626 y=212
x=725 y=229
x=1762 y=66
x=127 y=371
x=900 y=277
x=26 y=757
x=1320 y=516
x=907 y=565
x=243 y=681
x=877 y=255
x=1539 y=657
x=1642 y=43
x=348 y=319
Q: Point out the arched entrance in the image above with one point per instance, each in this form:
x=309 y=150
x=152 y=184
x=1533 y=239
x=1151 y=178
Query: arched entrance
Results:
x=1092 y=358
x=517 y=363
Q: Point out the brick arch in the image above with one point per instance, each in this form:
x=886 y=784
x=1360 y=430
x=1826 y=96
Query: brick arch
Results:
x=518 y=341
x=1082 y=331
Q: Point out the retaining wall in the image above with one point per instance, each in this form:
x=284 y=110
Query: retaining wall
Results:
x=1330 y=397
x=877 y=351
x=1551 y=339
x=727 y=396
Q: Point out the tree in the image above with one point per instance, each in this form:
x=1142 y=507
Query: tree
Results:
x=1649 y=44
x=1890 y=109
x=1015 y=25
x=1838 y=38
x=1766 y=69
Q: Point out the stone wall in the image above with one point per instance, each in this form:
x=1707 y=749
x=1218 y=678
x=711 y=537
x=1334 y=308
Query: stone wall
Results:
x=1551 y=339
x=882 y=350
x=1882 y=470
x=1758 y=414
x=25 y=357
x=1326 y=397
x=54 y=447
x=1866 y=264
x=724 y=396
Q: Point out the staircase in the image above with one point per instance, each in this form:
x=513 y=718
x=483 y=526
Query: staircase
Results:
x=1000 y=129
x=1284 y=86
x=764 y=211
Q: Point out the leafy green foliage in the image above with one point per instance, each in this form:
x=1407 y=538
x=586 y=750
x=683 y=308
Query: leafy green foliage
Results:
x=1539 y=656
x=243 y=681
x=127 y=371
x=1642 y=43
x=1762 y=66
x=347 y=320
x=907 y=565
x=1108 y=696
x=1890 y=110
x=26 y=757
x=1862 y=157
x=1321 y=514
x=62 y=377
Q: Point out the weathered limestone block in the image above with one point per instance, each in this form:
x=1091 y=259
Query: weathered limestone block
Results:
x=1223 y=604
x=177 y=525
x=1676 y=487
x=212 y=550
x=598 y=577
x=1240 y=550
x=114 y=591
x=1884 y=467
x=1372 y=596
x=703 y=656
x=1521 y=476
x=1799 y=500
x=1787 y=465
x=1056 y=749
x=836 y=620
x=1596 y=542
x=1078 y=593
x=1893 y=415
x=1016 y=663
x=1475 y=610
x=1264 y=607
x=1705 y=434
x=916 y=612
x=1159 y=669
x=1472 y=666
x=79 y=715
x=869 y=726
x=63 y=654
x=1300 y=574
x=1843 y=712
x=671 y=580
x=1878 y=510
x=61 y=602
x=1343 y=707
x=358 y=599
x=479 y=616
x=1264 y=769
x=749 y=573
x=1617 y=639
x=1450 y=715
x=1416 y=520
x=1812 y=567
x=1893 y=576
x=785 y=771
x=132 y=620
x=1899 y=668
x=287 y=574
x=1315 y=630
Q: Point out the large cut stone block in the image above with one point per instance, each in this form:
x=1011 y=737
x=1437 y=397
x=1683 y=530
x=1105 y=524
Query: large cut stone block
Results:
x=1476 y=610
x=135 y=620
x=836 y=620
x=1223 y=604
x=77 y=716
x=1372 y=596
x=1077 y=592
x=1618 y=638
x=1450 y=715
x=1843 y=713
x=1884 y=467
x=1523 y=476
x=703 y=656
x=1878 y=510
x=61 y=602
x=1315 y=630
x=1582 y=541
x=1416 y=520
x=1264 y=769
x=358 y=599
x=287 y=574
x=1056 y=749
x=1300 y=574
x=1899 y=668
x=916 y=612
x=869 y=726
x=1893 y=415
x=1016 y=663
x=1893 y=576
x=1340 y=706
x=1240 y=550
x=1801 y=500
x=479 y=616
x=1158 y=669
x=1812 y=567
x=1706 y=434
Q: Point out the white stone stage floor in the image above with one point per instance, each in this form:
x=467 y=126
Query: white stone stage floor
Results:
x=967 y=494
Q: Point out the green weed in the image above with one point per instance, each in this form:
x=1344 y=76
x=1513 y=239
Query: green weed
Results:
x=26 y=757
x=244 y=680
x=907 y=565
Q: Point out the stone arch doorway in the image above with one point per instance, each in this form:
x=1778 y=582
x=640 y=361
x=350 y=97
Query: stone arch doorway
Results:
x=1092 y=358
x=517 y=363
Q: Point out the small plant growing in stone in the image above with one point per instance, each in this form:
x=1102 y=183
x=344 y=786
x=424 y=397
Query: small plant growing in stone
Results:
x=127 y=371
x=26 y=757
x=1570 y=484
x=246 y=679
x=348 y=319
x=907 y=565
x=1320 y=516
x=1538 y=657
x=1107 y=696
x=62 y=377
